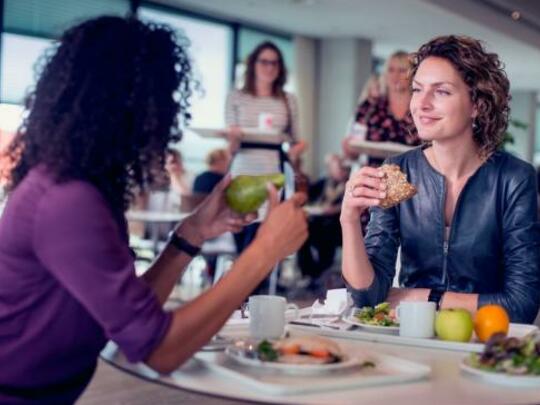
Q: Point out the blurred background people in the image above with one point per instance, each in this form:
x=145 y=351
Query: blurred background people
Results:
x=325 y=196
x=262 y=103
x=166 y=195
x=171 y=185
x=384 y=113
x=386 y=117
x=217 y=162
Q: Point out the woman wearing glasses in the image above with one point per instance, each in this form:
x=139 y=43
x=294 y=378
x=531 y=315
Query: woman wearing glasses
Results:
x=262 y=104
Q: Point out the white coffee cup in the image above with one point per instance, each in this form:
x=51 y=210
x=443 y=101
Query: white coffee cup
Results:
x=416 y=318
x=267 y=316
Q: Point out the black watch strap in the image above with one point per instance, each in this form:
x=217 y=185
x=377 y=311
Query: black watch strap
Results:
x=435 y=295
x=183 y=245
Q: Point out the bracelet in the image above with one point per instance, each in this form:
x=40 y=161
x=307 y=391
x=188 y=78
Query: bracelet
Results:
x=436 y=295
x=183 y=245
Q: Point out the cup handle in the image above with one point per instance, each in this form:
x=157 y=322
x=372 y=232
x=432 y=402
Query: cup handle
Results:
x=296 y=310
x=397 y=312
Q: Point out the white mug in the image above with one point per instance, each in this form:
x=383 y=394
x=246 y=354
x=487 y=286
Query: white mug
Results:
x=267 y=316
x=416 y=319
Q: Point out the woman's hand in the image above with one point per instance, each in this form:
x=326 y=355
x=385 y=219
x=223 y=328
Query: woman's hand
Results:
x=213 y=217
x=396 y=295
x=349 y=151
x=234 y=135
x=297 y=149
x=285 y=227
x=364 y=189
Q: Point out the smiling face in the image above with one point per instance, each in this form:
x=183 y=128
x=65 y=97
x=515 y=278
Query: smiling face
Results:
x=267 y=66
x=441 y=105
x=397 y=74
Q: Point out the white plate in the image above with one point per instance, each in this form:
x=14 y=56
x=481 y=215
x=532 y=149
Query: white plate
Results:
x=353 y=320
x=500 y=378
x=516 y=330
x=239 y=355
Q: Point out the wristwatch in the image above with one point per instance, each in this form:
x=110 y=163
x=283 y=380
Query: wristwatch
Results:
x=435 y=295
x=183 y=245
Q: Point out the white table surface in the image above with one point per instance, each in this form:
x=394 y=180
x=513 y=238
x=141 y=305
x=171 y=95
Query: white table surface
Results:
x=446 y=385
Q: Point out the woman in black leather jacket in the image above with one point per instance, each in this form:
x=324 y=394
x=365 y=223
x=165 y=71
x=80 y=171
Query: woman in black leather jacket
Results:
x=471 y=235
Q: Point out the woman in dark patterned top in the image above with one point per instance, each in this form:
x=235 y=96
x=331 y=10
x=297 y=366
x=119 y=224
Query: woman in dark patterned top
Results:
x=387 y=116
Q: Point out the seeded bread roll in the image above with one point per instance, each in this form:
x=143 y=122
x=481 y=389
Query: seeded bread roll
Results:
x=398 y=189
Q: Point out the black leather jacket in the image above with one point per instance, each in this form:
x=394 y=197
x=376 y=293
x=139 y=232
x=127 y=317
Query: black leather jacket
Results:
x=494 y=243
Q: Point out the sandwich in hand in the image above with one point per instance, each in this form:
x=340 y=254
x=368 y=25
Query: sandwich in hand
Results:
x=398 y=189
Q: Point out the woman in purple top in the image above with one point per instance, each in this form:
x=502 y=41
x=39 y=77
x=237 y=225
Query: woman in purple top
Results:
x=109 y=100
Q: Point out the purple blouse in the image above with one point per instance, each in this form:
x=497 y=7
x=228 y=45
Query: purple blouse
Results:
x=67 y=284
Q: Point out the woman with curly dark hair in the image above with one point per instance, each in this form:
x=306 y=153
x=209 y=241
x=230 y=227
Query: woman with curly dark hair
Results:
x=470 y=236
x=109 y=100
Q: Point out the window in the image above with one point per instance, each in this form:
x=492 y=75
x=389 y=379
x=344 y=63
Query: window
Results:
x=29 y=26
x=19 y=57
x=50 y=18
x=210 y=49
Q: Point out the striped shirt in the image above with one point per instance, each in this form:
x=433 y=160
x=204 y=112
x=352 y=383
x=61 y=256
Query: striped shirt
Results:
x=244 y=110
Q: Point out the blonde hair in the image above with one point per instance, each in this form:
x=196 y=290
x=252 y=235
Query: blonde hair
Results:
x=404 y=60
x=216 y=155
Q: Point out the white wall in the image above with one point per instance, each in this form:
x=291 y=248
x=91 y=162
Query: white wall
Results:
x=305 y=57
x=523 y=108
x=343 y=66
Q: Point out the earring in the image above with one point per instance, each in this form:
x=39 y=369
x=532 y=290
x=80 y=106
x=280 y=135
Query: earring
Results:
x=474 y=124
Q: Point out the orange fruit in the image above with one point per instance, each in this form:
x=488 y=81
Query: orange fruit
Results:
x=490 y=319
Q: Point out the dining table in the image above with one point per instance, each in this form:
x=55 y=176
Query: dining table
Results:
x=154 y=219
x=437 y=378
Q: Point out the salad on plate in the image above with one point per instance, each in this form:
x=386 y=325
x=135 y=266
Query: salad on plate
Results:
x=509 y=355
x=379 y=315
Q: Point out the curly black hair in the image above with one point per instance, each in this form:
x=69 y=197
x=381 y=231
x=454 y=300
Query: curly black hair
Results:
x=484 y=74
x=111 y=96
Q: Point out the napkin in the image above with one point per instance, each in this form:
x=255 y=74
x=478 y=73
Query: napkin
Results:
x=337 y=302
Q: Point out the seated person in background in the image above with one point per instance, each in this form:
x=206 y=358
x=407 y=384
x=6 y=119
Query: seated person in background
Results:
x=170 y=185
x=325 y=197
x=218 y=162
x=170 y=188
x=67 y=277
x=470 y=236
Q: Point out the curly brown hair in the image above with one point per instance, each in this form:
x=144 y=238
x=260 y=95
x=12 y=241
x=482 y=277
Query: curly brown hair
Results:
x=249 y=77
x=112 y=94
x=484 y=74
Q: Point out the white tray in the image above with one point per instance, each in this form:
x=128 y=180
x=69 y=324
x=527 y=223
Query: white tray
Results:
x=379 y=149
x=387 y=370
x=516 y=330
x=254 y=135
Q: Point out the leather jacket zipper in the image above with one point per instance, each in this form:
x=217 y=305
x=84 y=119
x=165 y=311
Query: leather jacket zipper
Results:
x=446 y=241
x=445 y=261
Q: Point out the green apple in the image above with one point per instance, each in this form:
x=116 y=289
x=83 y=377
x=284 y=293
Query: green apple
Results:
x=454 y=324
